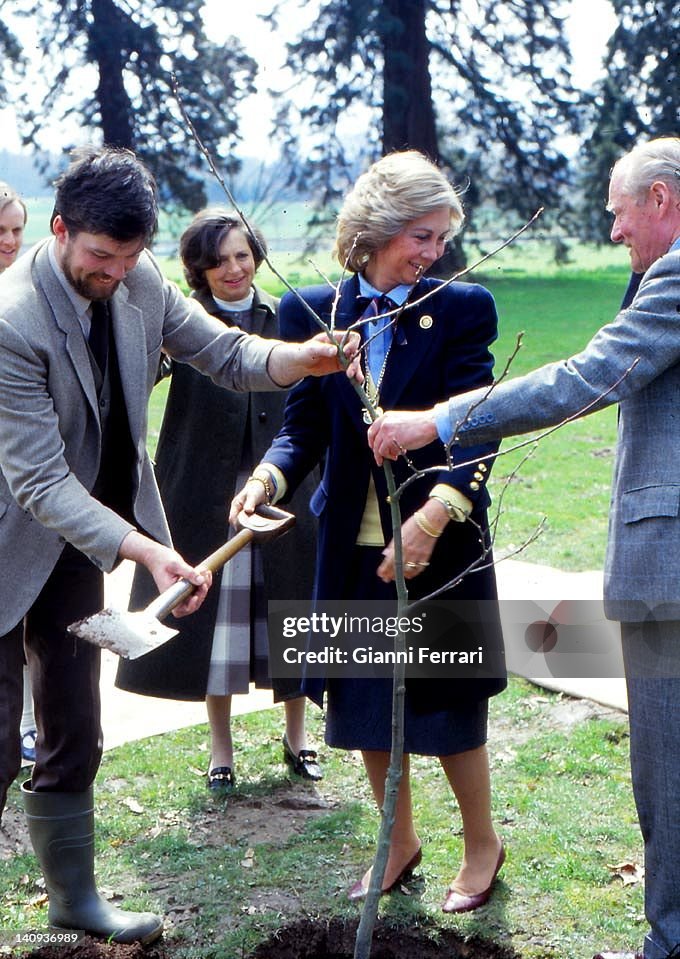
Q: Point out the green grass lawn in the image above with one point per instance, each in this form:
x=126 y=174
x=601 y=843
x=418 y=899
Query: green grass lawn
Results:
x=229 y=874
x=568 y=477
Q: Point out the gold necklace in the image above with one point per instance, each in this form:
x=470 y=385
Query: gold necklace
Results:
x=371 y=387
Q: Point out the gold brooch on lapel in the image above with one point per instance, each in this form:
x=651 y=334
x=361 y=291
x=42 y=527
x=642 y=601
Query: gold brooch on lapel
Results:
x=426 y=322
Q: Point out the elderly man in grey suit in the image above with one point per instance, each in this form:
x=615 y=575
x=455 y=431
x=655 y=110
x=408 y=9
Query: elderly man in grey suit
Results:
x=635 y=361
x=83 y=319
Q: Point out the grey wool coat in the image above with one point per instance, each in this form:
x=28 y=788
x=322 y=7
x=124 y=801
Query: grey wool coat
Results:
x=205 y=430
x=50 y=433
x=633 y=361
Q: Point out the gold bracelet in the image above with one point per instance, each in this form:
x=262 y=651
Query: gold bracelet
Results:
x=265 y=482
x=455 y=513
x=425 y=525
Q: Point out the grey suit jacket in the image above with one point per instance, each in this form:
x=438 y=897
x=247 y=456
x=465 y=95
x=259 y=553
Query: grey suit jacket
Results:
x=50 y=435
x=635 y=361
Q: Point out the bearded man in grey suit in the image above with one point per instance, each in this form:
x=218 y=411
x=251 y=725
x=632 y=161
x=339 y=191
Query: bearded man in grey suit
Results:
x=633 y=361
x=83 y=319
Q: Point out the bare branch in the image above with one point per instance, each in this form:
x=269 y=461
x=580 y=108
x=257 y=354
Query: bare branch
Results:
x=498 y=379
x=481 y=563
x=506 y=486
x=244 y=219
x=480 y=261
x=504 y=451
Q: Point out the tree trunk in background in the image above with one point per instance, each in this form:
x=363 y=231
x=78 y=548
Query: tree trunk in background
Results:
x=106 y=43
x=408 y=117
x=408 y=113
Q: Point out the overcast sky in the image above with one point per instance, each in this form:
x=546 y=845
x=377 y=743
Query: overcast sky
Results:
x=589 y=25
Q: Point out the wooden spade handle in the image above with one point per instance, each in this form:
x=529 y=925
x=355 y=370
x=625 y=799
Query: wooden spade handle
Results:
x=225 y=552
x=164 y=604
x=269 y=521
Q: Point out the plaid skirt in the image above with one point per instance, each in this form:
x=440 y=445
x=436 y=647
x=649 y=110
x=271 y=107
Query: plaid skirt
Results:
x=240 y=647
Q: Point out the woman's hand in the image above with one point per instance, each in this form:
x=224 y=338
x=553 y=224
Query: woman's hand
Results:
x=247 y=500
x=417 y=545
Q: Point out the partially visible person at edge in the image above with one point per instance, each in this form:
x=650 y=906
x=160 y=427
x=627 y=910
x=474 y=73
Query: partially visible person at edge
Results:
x=13 y=217
x=392 y=227
x=633 y=361
x=224 y=646
x=83 y=319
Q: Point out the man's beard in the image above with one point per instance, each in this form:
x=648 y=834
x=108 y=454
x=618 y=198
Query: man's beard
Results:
x=88 y=285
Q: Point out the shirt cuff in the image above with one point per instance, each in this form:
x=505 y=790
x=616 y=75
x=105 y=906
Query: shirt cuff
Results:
x=458 y=506
x=443 y=422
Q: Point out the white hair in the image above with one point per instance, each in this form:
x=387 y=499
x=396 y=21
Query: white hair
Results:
x=647 y=163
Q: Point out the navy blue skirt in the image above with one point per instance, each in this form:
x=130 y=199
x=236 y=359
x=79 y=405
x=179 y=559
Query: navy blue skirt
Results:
x=359 y=716
x=359 y=711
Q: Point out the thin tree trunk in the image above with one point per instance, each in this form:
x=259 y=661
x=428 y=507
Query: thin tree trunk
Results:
x=364 y=936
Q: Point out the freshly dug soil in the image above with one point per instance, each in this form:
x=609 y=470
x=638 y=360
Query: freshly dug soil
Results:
x=308 y=939
x=334 y=939
x=88 y=948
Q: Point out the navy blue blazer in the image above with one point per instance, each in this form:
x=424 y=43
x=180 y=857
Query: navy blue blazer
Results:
x=441 y=347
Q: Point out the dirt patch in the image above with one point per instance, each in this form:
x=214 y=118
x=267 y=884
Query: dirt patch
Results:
x=547 y=713
x=88 y=948
x=273 y=818
x=14 y=839
x=334 y=939
x=310 y=939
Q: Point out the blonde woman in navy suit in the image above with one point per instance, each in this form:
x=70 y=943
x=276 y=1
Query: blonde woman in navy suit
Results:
x=392 y=227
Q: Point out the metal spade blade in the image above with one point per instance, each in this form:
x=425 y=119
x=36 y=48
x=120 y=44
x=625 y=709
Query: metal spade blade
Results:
x=133 y=634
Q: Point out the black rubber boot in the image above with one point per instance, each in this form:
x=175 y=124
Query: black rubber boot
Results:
x=61 y=827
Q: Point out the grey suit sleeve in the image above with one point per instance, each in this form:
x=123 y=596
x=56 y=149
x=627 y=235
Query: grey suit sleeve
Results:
x=623 y=357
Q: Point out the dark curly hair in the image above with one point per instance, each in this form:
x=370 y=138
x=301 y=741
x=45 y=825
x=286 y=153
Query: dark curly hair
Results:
x=199 y=245
x=107 y=190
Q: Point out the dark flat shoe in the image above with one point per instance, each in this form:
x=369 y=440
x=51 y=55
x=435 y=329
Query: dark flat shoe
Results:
x=221 y=779
x=358 y=890
x=303 y=764
x=457 y=902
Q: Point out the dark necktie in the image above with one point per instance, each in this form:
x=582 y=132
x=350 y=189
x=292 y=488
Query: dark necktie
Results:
x=377 y=334
x=98 y=339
